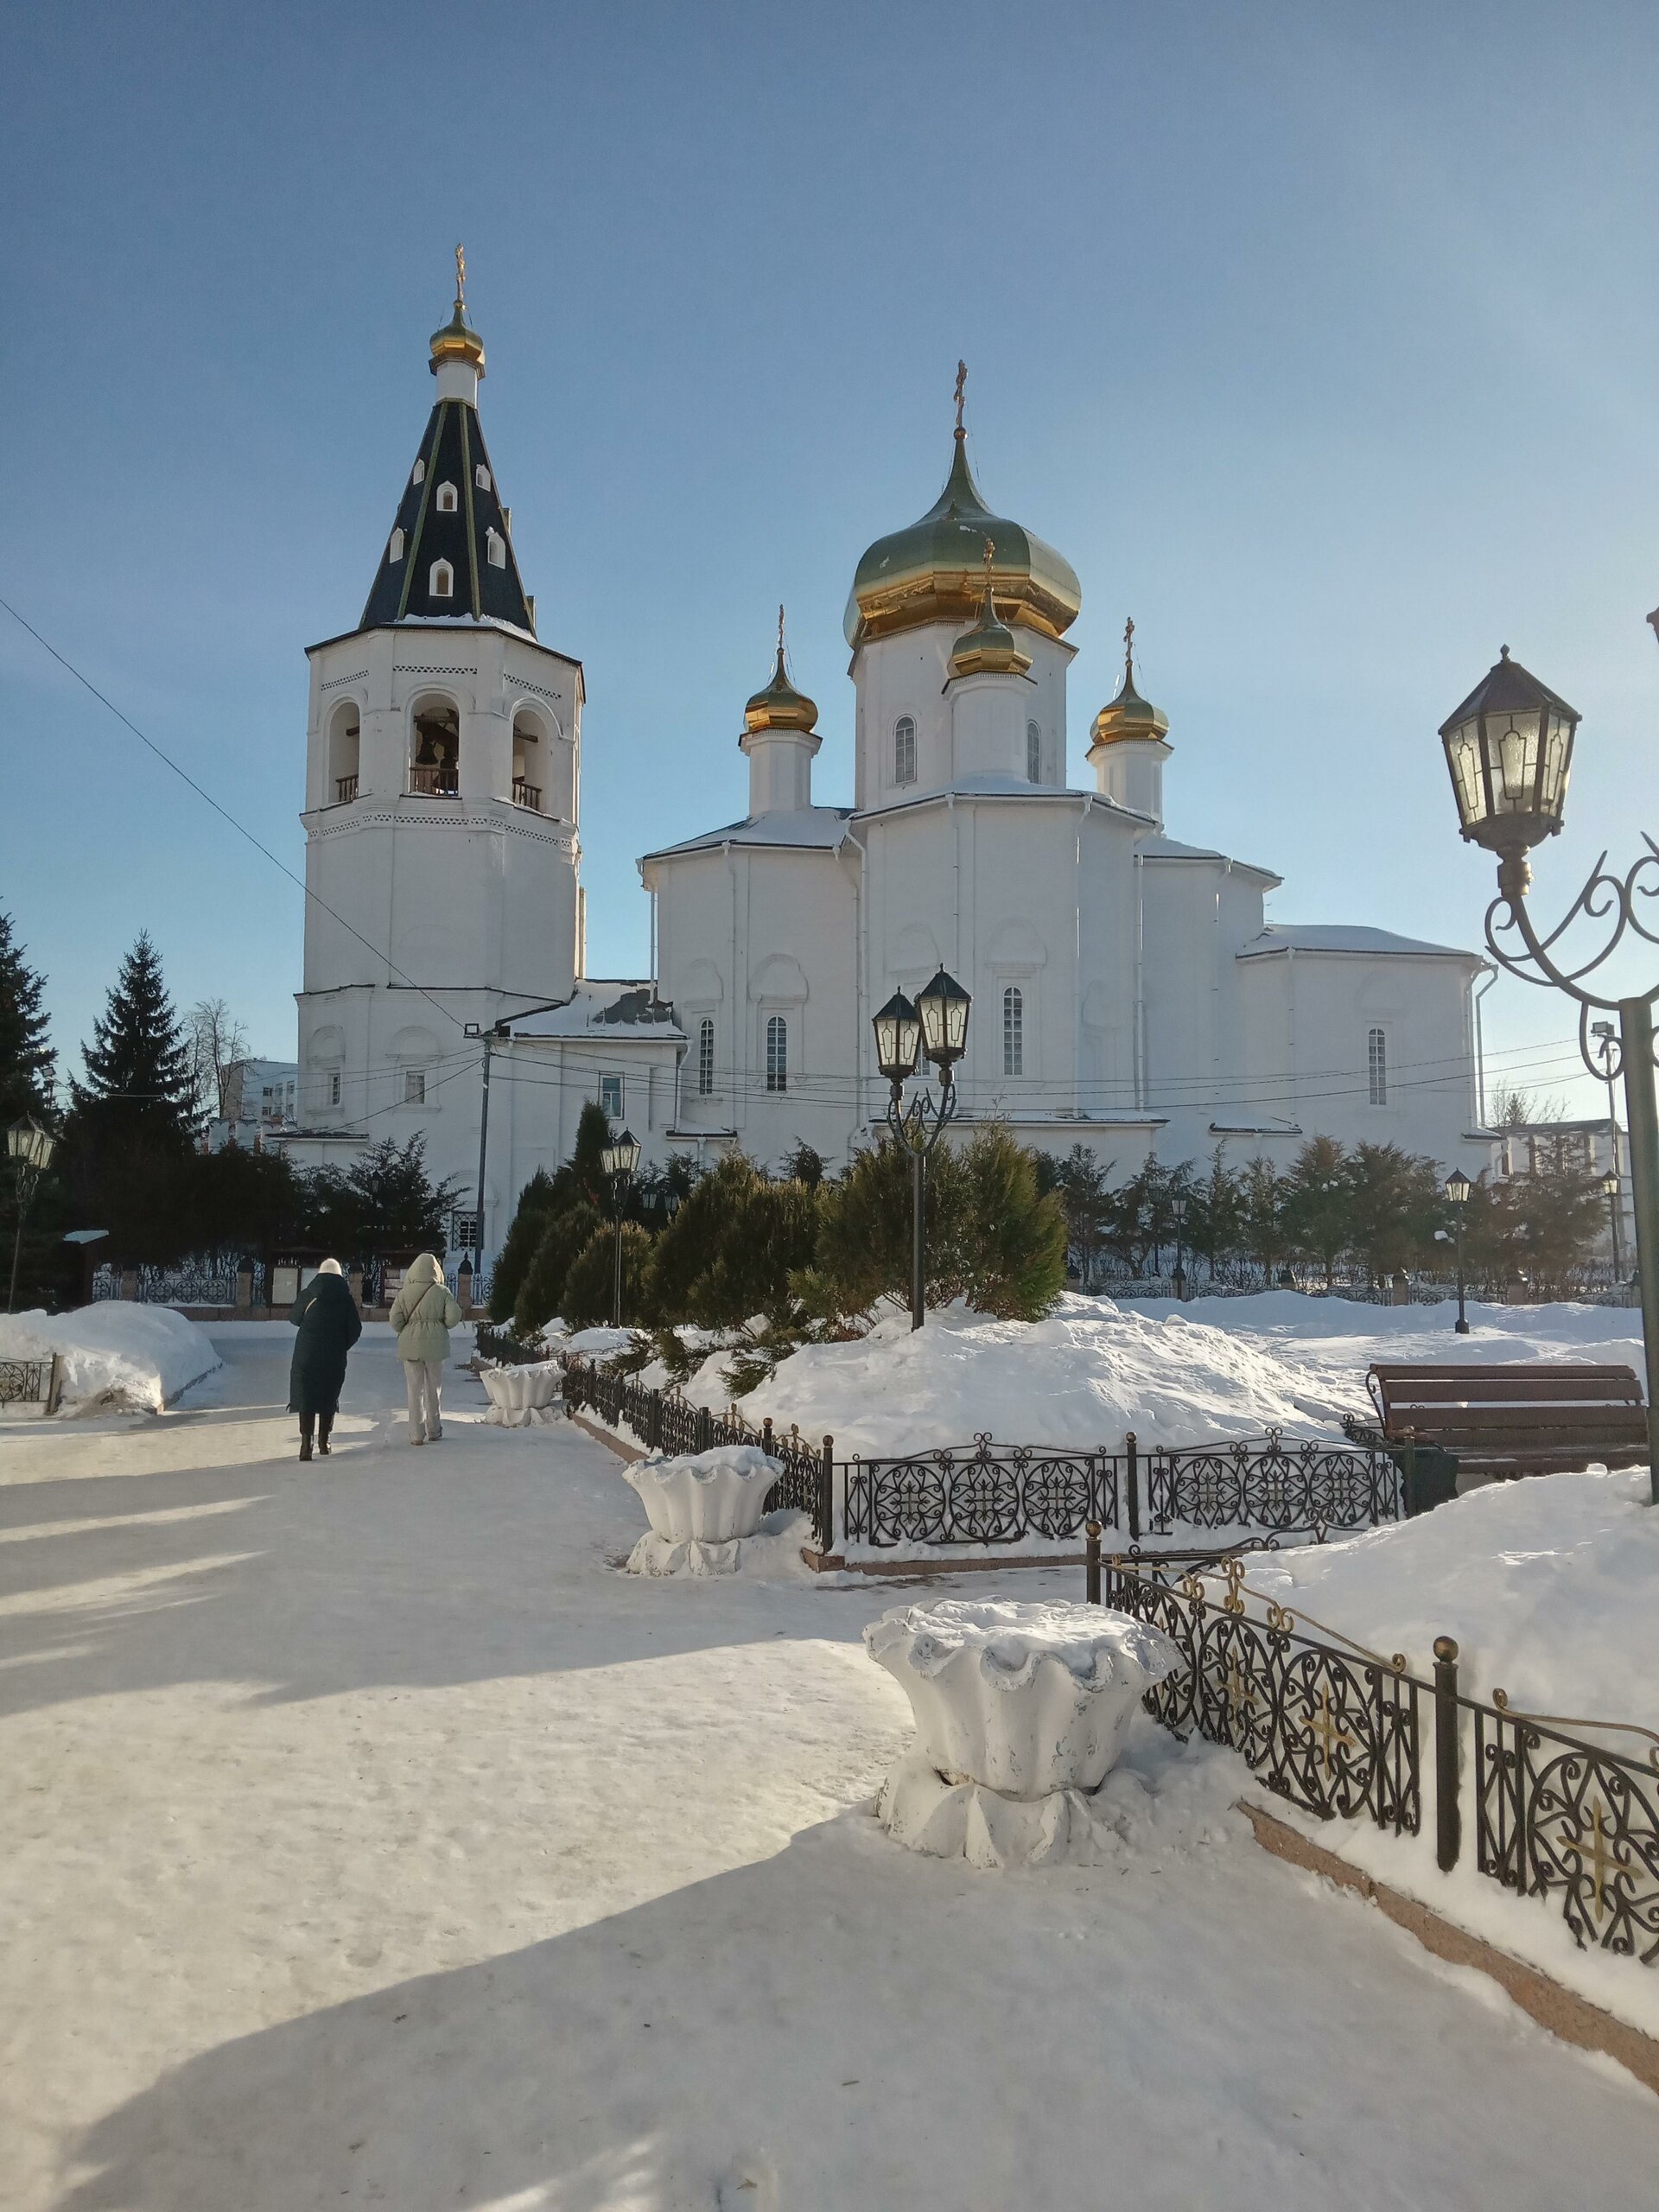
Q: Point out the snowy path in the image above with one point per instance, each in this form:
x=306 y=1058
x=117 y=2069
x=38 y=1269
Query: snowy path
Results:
x=365 y=1840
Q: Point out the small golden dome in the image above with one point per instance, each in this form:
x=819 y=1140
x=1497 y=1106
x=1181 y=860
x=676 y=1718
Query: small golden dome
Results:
x=989 y=649
x=1128 y=715
x=458 y=340
x=780 y=706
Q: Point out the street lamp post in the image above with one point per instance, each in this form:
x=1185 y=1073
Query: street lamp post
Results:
x=619 y=1160
x=1457 y=1187
x=1604 y=1033
x=936 y=1027
x=31 y=1148
x=1508 y=747
x=1610 y=1188
x=1178 y=1209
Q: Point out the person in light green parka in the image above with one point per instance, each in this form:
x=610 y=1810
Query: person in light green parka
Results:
x=423 y=1313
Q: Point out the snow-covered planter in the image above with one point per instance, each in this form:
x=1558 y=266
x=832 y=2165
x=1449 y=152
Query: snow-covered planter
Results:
x=1020 y=1712
x=700 y=1508
x=520 y=1396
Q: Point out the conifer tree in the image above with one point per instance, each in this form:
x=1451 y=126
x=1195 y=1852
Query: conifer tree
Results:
x=27 y=1060
x=138 y=1081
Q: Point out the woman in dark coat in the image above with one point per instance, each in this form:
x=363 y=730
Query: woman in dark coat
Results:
x=326 y=1315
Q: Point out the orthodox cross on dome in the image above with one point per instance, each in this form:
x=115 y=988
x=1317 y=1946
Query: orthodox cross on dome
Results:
x=990 y=555
x=780 y=632
x=1128 y=647
x=961 y=386
x=461 y=276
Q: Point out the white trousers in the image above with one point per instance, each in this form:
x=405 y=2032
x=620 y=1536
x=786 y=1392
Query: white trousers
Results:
x=423 y=1380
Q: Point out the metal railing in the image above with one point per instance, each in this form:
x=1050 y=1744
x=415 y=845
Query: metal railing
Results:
x=435 y=783
x=525 y=794
x=29 y=1381
x=1335 y=1731
x=345 y=789
x=983 y=1493
x=1336 y=1728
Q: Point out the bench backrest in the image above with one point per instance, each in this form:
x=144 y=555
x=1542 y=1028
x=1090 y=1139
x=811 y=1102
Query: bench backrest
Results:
x=1543 y=1395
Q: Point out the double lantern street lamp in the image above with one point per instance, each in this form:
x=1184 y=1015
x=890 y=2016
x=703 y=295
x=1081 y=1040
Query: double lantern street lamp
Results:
x=1457 y=1187
x=619 y=1160
x=31 y=1148
x=1510 y=747
x=936 y=1025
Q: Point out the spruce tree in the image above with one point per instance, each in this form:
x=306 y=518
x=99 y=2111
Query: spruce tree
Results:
x=138 y=1081
x=26 y=1059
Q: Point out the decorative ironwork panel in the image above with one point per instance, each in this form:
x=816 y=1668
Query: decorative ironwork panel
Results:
x=1335 y=1734
x=23 y=1382
x=983 y=1493
x=1306 y=1488
x=1558 y=1816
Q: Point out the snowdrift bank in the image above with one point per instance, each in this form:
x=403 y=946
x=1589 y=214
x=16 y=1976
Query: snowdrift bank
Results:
x=115 y=1354
x=1546 y=1584
x=1174 y=1374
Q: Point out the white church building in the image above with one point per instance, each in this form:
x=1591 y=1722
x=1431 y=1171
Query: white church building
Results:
x=1128 y=993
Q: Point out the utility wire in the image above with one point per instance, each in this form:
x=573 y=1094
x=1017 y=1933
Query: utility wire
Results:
x=242 y=830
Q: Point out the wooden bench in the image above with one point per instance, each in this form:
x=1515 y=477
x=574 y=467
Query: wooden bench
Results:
x=1546 y=1417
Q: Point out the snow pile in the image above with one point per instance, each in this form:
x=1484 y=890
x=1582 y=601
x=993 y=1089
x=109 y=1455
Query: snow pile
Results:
x=1548 y=1583
x=113 y=1353
x=1175 y=1375
x=772 y=1554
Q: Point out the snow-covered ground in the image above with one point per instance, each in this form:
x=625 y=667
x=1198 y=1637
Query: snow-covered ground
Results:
x=368 y=1836
x=1173 y=1374
x=114 y=1354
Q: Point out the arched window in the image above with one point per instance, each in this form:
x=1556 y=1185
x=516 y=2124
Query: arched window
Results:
x=442 y=585
x=495 y=549
x=1034 y=753
x=777 y=1054
x=481 y=477
x=1377 y=1056
x=435 y=757
x=1014 y=1030
x=345 y=744
x=447 y=499
x=395 y=546
x=705 y=1057
x=418 y=474
x=904 y=751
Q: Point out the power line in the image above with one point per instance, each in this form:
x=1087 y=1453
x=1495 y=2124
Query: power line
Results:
x=242 y=830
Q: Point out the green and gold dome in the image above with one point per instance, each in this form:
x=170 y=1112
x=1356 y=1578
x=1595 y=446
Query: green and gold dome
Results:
x=933 y=572
x=1128 y=715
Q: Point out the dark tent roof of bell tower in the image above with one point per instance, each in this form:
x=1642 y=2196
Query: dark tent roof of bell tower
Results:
x=453 y=454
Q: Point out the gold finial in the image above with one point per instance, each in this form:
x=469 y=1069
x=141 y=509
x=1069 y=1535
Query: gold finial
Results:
x=461 y=276
x=990 y=555
x=961 y=386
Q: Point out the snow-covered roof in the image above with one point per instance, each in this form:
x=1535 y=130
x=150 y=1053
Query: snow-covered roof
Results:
x=817 y=829
x=1347 y=937
x=626 y=1011
x=1161 y=848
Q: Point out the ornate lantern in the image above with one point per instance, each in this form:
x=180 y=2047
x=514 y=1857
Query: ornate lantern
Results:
x=897 y=1038
x=944 y=1009
x=1508 y=747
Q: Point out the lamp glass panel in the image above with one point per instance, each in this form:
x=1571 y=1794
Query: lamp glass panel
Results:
x=1463 y=752
x=1512 y=749
x=1551 y=785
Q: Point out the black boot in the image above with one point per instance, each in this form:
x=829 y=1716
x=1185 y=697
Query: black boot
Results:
x=325 y=1428
x=305 y=1436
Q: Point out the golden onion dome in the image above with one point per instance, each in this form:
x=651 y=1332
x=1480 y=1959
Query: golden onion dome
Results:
x=931 y=572
x=780 y=706
x=458 y=340
x=989 y=649
x=1128 y=715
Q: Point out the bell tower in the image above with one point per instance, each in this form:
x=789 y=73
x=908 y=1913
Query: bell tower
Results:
x=442 y=803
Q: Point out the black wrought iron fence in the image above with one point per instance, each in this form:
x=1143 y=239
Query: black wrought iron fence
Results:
x=502 y=1345
x=1335 y=1731
x=1559 y=1817
x=25 y=1382
x=1308 y=1487
x=981 y=1493
x=1336 y=1728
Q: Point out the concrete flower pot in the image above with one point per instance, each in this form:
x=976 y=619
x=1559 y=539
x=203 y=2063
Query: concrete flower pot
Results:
x=1021 y=1710
x=706 y=1498
x=520 y=1396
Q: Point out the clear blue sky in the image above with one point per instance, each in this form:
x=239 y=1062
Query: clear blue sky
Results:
x=1320 y=338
